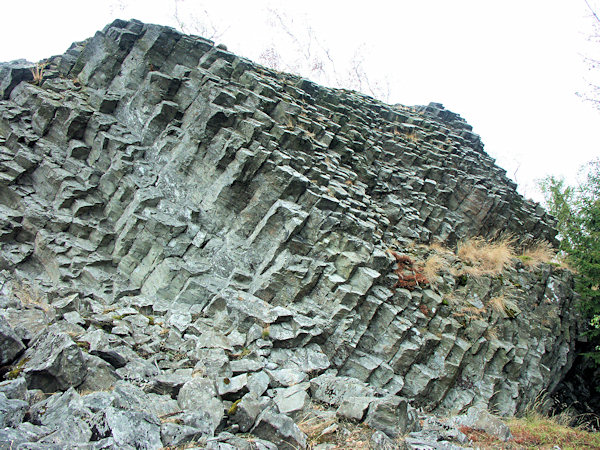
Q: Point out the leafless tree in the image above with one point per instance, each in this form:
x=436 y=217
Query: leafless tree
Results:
x=593 y=62
x=295 y=47
x=196 y=20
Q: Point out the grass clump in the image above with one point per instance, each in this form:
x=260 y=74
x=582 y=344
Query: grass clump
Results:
x=266 y=332
x=326 y=428
x=538 y=431
x=541 y=252
x=486 y=257
x=433 y=265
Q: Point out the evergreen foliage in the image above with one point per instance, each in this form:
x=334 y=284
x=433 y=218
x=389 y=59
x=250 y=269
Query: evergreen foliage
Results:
x=577 y=210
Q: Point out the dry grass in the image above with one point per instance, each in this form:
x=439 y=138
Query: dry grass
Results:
x=412 y=136
x=29 y=296
x=38 y=73
x=498 y=303
x=324 y=428
x=486 y=257
x=433 y=266
x=439 y=248
x=536 y=430
x=470 y=312
x=541 y=252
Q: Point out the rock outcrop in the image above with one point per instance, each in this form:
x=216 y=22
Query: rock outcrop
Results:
x=193 y=245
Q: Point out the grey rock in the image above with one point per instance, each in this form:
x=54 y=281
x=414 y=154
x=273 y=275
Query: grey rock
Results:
x=201 y=213
x=292 y=401
x=12 y=73
x=54 y=362
x=232 y=388
x=286 y=377
x=333 y=390
x=199 y=420
x=134 y=429
x=168 y=383
x=110 y=356
x=392 y=415
x=174 y=435
x=70 y=303
x=98 y=401
x=258 y=383
x=23 y=433
x=481 y=419
x=227 y=441
x=10 y=344
x=200 y=394
x=100 y=375
x=245 y=412
x=380 y=440
x=354 y=408
x=279 y=429
x=15 y=389
x=12 y=411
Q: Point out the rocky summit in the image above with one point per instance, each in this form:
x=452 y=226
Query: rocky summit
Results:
x=200 y=251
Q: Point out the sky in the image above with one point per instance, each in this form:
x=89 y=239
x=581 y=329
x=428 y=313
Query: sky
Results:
x=511 y=68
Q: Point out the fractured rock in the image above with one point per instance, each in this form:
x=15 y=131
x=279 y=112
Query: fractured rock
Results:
x=54 y=362
x=10 y=345
x=279 y=429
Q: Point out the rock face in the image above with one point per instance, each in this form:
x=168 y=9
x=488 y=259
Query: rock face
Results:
x=216 y=236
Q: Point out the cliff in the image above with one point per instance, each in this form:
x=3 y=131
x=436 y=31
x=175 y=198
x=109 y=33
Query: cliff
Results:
x=207 y=239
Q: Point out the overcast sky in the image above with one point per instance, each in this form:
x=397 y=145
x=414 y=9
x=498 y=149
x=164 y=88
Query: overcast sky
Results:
x=511 y=68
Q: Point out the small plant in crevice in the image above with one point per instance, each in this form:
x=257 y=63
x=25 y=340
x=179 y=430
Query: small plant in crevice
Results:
x=266 y=332
x=38 y=73
x=410 y=276
x=16 y=369
x=234 y=407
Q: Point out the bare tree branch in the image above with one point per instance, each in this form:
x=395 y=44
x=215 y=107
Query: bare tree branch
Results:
x=592 y=11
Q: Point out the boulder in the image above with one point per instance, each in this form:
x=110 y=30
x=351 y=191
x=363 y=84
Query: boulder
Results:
x=279 y=429
x=12 y=411
x=200 y=394
x=54 y=362
x=10 y=344
x=135 y=429
x=393 y=415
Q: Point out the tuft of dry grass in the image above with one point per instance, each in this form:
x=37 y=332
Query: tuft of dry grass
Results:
x=323 y=428
x=412 y=136
x=539 y=253
x=38 y=73
x=29 y=296
x=486 y=257
x=498 y=303
x=433 y=265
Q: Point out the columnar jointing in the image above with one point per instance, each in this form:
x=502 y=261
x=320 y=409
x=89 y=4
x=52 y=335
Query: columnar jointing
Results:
x=153 y=173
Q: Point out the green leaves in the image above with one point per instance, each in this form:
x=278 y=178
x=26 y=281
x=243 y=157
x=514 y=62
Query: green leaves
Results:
x=577 y=210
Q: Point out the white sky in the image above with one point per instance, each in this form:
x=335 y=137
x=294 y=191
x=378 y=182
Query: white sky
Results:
x=511 y=68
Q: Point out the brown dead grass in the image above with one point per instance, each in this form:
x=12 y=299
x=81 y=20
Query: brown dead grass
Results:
x=498 y=303
x=541 y=252
x=485 y=257
x=433 y=266
x=29 y=296
x=340 y=434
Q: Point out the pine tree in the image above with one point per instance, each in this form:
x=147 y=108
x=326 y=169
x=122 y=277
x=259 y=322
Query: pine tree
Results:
x=577 y=210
